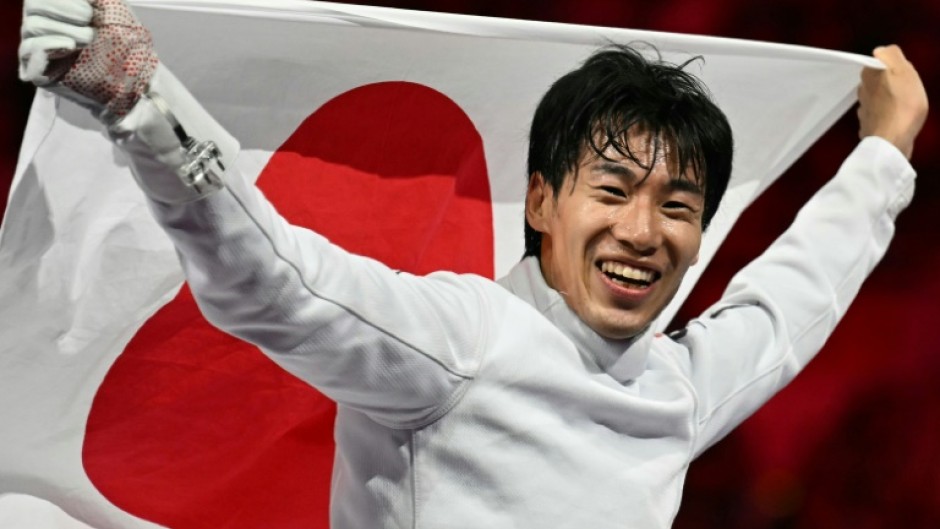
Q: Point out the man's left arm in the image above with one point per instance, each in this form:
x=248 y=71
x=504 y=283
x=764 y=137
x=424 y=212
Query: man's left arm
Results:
x=777 y=313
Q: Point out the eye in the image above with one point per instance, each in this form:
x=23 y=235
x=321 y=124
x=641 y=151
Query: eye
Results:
x=679 y=210
x=616 y=191
x=675 y=204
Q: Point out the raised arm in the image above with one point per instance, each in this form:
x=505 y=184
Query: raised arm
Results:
x=779 y=310
x=396 y=347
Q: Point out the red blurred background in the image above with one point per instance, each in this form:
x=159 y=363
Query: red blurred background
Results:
x=855 y=441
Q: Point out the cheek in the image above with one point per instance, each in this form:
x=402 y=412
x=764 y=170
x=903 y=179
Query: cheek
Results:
x=674 y=229
x=592 y=218
x=611 y=213
x=686 y=240
x=692 y=245
x=574 y=221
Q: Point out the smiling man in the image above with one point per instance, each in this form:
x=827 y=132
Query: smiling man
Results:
x=615 y=209
x=618 y=236
x=542 y=400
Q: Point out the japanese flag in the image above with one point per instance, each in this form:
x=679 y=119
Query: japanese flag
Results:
x=400 y=135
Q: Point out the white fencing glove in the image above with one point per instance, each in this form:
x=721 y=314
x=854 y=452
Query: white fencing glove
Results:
x=94 y=52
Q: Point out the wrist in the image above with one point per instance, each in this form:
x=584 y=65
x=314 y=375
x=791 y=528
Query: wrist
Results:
x=903 y=143
x=177 y=150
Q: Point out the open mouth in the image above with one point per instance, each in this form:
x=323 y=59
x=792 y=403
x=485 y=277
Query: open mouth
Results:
x=628 y=276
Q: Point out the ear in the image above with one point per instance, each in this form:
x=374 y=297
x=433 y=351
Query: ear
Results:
x=538 y=202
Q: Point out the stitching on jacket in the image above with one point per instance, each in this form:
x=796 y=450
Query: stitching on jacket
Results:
x=293 y=266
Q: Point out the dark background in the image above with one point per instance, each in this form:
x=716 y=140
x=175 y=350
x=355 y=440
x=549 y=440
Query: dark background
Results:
x=855 y=441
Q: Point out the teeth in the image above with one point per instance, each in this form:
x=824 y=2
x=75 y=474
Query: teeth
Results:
x=627 y=272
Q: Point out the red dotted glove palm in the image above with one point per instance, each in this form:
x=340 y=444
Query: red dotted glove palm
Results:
x=108 y=71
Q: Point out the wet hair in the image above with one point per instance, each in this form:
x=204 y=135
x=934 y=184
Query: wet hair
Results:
x=618 y=91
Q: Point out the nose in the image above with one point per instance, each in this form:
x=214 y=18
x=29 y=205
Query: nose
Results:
x=635 y=225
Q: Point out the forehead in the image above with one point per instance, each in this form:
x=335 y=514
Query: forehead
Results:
x=638 y=147
x=642 y=152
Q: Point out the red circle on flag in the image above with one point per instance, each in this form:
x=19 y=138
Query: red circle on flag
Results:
x=193 y=429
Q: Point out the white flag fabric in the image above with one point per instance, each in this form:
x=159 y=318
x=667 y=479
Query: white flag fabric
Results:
x=122 y=407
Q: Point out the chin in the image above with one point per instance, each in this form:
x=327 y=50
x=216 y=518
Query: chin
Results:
x=620 y=331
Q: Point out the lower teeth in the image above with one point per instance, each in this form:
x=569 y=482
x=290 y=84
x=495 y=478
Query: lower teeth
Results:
x=628 y=282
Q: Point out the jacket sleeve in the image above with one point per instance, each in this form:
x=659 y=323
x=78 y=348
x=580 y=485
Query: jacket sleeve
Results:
x=397 y=347
x=777 y=313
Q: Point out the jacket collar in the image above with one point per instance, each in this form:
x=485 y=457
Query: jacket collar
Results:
x=623 y=360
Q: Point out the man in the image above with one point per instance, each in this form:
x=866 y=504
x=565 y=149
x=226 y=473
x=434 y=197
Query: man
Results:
x=541 y=401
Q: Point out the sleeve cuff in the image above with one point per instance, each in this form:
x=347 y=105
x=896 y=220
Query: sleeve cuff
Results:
x=890 y=165
x=156 y=153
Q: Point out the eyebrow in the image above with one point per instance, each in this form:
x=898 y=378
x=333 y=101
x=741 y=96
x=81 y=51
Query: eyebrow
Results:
x=677 y=184
x=616 y=169
x=682 y=184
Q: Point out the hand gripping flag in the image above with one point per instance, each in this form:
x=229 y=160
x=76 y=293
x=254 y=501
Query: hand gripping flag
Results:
x=400 y=135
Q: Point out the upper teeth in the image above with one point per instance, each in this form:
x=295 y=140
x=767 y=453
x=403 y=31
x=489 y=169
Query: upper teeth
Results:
x=627 y=271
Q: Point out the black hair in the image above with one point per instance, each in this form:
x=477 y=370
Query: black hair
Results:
x=617 y=90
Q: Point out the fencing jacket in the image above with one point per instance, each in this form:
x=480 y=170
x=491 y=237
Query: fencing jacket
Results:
x=465 y=403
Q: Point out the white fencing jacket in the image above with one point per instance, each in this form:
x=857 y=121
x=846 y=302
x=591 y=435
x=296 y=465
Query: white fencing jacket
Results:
x=465 y=403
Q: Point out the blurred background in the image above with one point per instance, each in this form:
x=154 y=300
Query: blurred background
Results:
x=855 y=441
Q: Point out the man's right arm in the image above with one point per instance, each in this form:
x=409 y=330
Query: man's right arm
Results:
x=397 y=347
x=383 y=342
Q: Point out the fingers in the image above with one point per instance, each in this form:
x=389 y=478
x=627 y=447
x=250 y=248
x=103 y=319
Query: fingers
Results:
x=870 y=75
x=897 y=68
x=41 y=26
x=891 y=56
x=51 y=30
x=75 y=12
x=36 y=53
x=48 y=45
